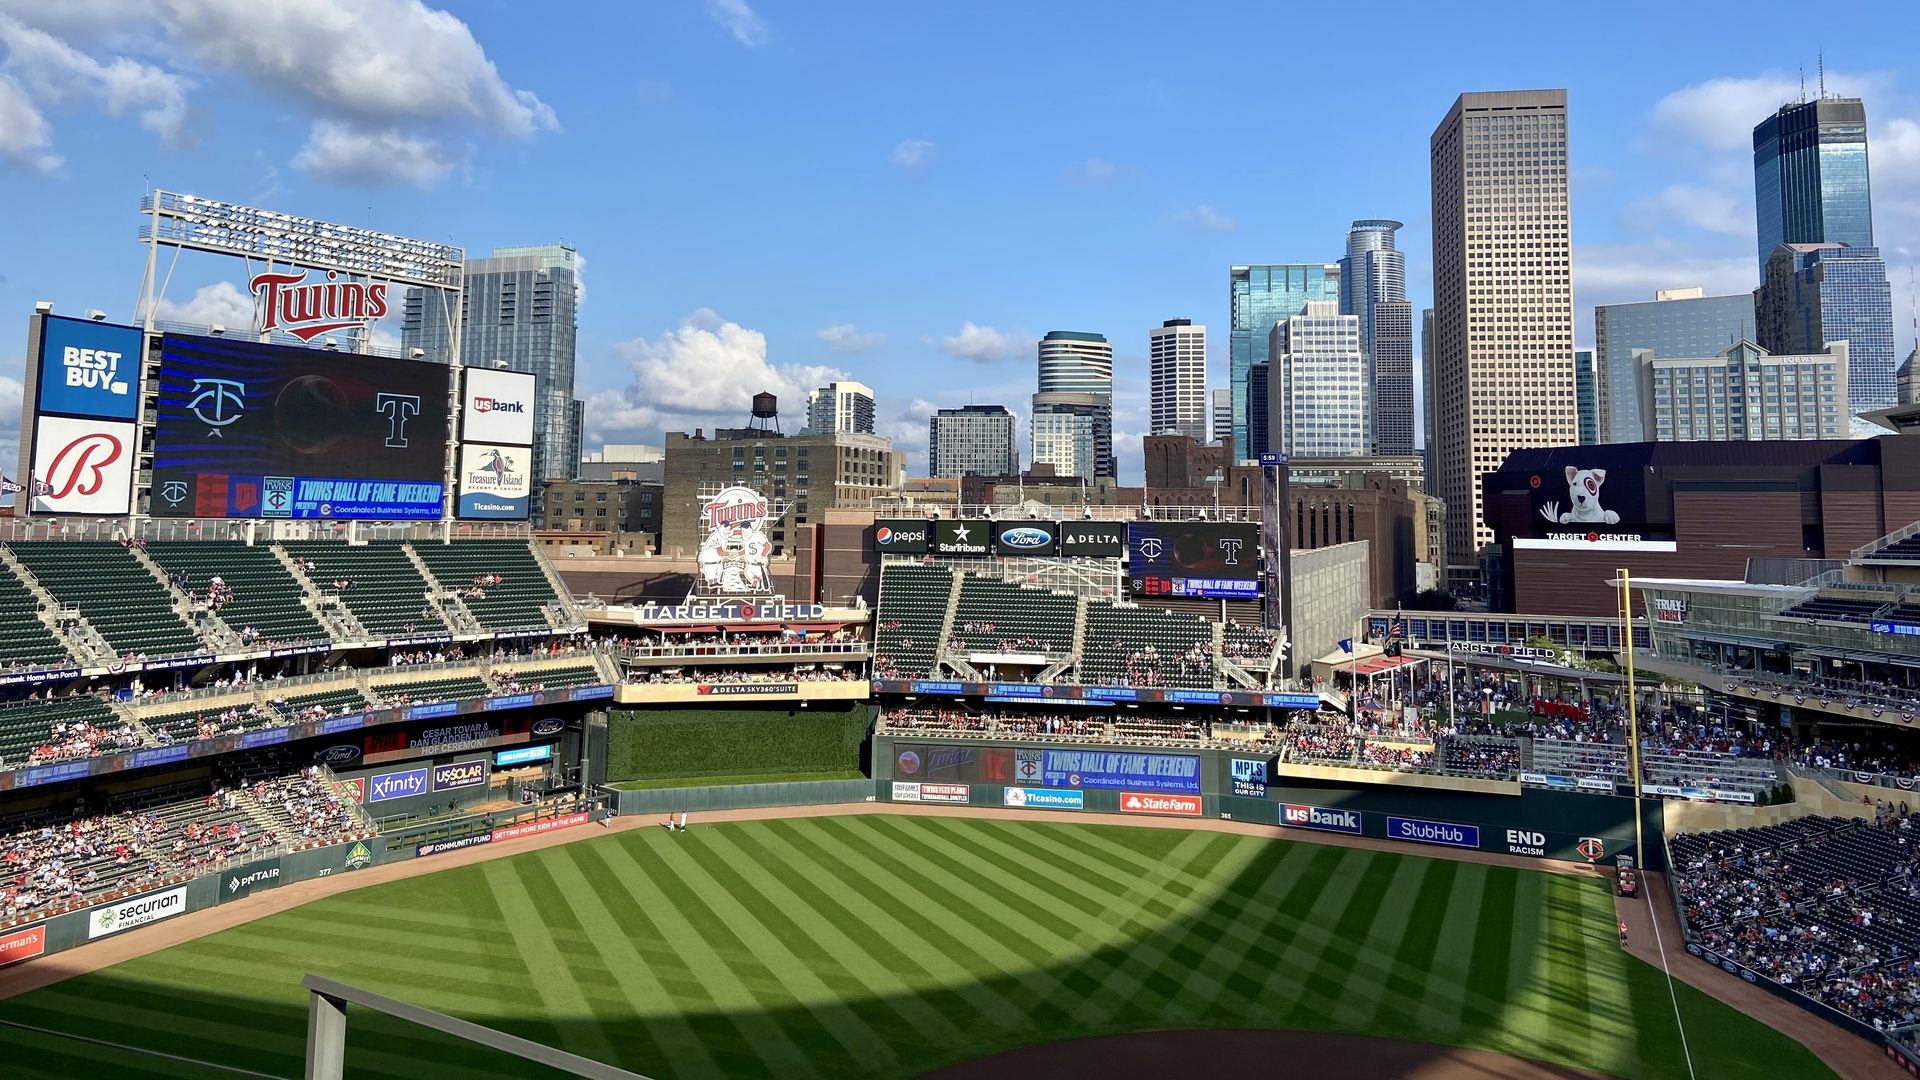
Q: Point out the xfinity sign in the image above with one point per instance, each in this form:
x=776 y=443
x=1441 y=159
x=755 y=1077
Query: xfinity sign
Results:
x=397 y=785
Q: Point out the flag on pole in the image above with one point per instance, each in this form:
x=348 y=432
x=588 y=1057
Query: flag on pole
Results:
x=1346 y=645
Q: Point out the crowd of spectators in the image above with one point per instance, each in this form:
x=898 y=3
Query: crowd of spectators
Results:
x=1496 y=757
x=1324 y=743
x=1400 y=758
x=70 y=739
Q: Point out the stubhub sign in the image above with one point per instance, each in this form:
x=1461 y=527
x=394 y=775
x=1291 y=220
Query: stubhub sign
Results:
x=89 y=369
x=1445 y=833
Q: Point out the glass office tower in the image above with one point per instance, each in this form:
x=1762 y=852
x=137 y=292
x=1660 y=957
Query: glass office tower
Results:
x=1676 y=322
x=1816 y=294
x=1810 y=176
x=1373 y=286
x=1261 y=296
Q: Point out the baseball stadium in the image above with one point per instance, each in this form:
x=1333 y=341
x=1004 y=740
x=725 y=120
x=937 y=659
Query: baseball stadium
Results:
x=319 y=759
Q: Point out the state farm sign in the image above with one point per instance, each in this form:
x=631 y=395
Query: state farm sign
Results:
x=1132 y=802
x=287 y=302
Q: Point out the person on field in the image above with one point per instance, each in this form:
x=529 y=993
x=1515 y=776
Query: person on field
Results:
x=1623 y=935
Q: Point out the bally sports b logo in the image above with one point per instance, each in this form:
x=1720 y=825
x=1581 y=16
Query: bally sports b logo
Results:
x=79 y=467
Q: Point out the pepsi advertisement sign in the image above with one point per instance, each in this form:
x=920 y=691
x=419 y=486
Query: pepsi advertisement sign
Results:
x=1025 y=538
x=900 y=536
x=89 y=369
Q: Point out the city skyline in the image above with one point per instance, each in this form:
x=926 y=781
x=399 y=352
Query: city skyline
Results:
x=1661 y=177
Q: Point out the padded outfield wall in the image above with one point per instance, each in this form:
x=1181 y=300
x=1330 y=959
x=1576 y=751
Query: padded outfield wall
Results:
x=661 y=743
x=1421 y=809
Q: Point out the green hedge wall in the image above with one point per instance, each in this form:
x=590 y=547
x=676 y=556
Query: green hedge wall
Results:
x=652 y=743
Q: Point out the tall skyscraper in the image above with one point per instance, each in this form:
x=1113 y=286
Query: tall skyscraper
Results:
x=519 y=310
x=1906 y=381
x=1502 y=297
x=1676 y=322
x=1427 y=400
x=972 y=440
x=1815 y=294
x=1373 y=286
x=1222 y=415
x=1317 y=378
x=1261 y=296
x=844 y=407
x=1259 y=407
x=1743 y=393
x=1068 y=430
x=1586 y=408
x=1177 y=379
x=1076 y=381
x=1810 y=176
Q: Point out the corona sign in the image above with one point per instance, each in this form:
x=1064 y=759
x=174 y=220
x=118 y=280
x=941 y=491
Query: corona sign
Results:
x=307 y=310
x=735 y=550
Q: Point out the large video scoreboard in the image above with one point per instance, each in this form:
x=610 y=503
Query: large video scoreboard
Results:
x=245 y=429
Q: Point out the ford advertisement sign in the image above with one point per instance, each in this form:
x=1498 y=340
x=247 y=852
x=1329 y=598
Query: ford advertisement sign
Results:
x=1024 y=538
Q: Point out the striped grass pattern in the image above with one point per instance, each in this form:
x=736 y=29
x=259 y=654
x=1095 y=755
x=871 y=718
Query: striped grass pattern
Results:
x=885 y=946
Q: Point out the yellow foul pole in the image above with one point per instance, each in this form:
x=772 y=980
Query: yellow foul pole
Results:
x=1633 y=713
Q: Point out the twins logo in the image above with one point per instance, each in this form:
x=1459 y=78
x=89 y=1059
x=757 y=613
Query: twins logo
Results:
x=217 y=402
x=307 y=311
x=174 y=492
x=80 y=466
x=1583 y=493
x=1151 y=547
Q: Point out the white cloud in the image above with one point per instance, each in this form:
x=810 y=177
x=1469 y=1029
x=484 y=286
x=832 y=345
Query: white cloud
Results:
x=23 y=131
x=746 y=26
x=376 y=61
x=345 y=154
x=1092 y=172
x=1206 y=218
x=1713 y=207
x=392 y=79
x=10 y=397
x=980 y=344
x=702 y=373
x=912 y=155
x=1720 y=114
x=55 y=72
x=579 y=280
x=219 y=304
x=846 y=339
x=1895 y=150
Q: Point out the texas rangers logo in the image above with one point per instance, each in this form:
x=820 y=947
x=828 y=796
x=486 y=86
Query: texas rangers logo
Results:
x=217 y=402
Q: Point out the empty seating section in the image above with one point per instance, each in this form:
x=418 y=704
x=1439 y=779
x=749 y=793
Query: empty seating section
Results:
x=1850 y=609
x=444 y=688
x=1907 y=550
x=1703 y=769
x=29 y=726
x=997 y=616
x=387 y=592
x=335 y=702
x=24 y=639
x=114 y=592
x=913 y=604
x=553 y=678
x=264 y=595
x=1145 y=646
x=1563 y=757
x=515 y=603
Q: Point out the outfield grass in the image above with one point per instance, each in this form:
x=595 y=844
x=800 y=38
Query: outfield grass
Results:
x=884 y=946
x=746 y=778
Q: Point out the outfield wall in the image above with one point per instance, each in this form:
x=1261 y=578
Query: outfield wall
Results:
x=741 y=796
x=1236 y=785
x=240 y=880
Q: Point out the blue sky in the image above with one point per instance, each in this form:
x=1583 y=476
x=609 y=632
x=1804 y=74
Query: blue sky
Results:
x=767 y=191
